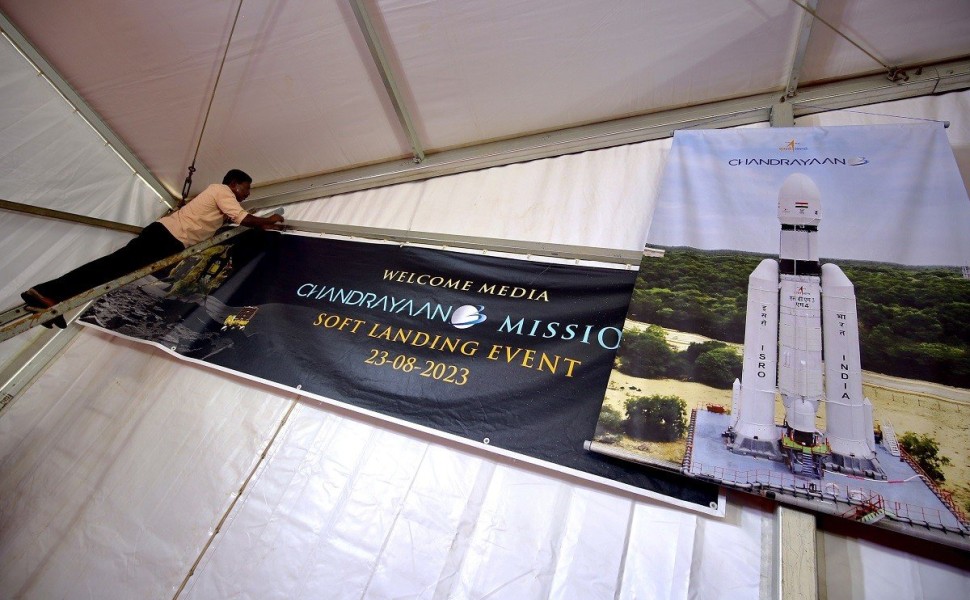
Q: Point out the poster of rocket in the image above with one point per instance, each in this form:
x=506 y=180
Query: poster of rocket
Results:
x=800 y=325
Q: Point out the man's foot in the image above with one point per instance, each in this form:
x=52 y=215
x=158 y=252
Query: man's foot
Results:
x=37 y=302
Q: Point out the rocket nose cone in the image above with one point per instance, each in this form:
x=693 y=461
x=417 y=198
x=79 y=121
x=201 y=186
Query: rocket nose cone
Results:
x=798 y=186
x=766 y=270
x=833 y=277
x=799 y=202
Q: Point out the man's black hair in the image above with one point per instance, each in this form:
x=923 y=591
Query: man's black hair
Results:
x=236 y=176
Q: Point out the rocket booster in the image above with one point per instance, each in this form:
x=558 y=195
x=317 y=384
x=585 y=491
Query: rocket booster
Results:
x=754 y=417
x=848 y=412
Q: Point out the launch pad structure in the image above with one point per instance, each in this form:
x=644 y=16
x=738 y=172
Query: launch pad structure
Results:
x=903 y=500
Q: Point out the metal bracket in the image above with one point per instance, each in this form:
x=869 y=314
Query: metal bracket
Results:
x=782 y=115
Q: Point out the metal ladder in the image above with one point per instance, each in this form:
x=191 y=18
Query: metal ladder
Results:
x=889 y=438
x=18 y=319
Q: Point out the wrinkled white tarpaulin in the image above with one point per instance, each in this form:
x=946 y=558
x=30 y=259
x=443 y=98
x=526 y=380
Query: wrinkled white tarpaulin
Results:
x=119 y=463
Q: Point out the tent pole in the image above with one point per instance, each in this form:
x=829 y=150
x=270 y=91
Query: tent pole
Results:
x=16 y=320
x=930 y=79
x=606 y=255
x=795 y=572
x=387 y=76
x=796 y=568
x=801 y=45
x=67 y=216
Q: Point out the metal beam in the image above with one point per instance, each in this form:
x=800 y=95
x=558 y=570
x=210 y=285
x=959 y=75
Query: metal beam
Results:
x=387 y=76
x=944 y=77
x=795 y=573
x=17 y=320
x=87 y=113
x=67 y=216
x=801 y=44
x=796 y=568
x=606 y=255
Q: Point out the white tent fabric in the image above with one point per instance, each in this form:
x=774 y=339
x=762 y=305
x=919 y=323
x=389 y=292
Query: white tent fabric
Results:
x=121 y=467
x=117 y=467
x=50 y=157
x=114 y=479
x=300 y=95
x=519 y=202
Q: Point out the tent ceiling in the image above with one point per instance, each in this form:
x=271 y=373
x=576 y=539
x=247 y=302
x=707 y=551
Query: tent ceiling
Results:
x=301 y=94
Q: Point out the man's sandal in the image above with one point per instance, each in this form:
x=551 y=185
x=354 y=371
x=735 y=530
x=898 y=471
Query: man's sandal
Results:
x=37 y=303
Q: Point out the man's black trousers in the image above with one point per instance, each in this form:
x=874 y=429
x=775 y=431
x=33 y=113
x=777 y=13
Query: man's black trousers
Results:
x=152 y=244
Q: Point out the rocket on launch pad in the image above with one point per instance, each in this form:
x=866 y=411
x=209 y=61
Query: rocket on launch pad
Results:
x=796 y=309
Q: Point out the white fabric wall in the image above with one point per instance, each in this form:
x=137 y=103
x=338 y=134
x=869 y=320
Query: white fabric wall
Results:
x=119 y=463
x=542 y=201
x=51 y=157
x=111 y=487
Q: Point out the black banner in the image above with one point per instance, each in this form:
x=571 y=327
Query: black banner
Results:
x=510 y=353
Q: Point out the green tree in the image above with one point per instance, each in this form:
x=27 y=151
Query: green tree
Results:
x=917 y=325
x=656 y=418
x=926 y=452
x=718 y=367
x=610 y=421
x=646 y=353
x=680 y=367
x=695 y=349
x=955 y=320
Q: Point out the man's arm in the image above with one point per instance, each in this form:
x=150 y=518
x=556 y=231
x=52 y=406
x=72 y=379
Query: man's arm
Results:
x=273 y=221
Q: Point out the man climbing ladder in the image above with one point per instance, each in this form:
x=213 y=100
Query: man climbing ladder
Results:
x=196 y=221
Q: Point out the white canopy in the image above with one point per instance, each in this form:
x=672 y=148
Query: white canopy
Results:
x=301 y=93
x=125 y=473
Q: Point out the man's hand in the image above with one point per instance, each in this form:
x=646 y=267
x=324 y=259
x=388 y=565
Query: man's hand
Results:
x=273 y=221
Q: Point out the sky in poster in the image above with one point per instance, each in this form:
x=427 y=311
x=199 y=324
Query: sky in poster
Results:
x=893 y=195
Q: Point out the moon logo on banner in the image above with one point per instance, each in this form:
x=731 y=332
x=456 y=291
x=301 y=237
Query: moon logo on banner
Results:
x=467 y=315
